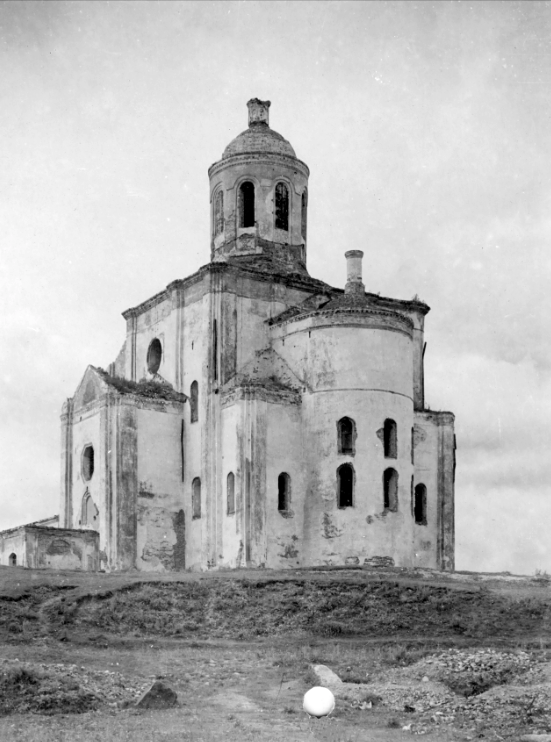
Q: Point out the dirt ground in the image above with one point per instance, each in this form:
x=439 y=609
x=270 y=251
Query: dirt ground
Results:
x=227 y=691
x=251 y=688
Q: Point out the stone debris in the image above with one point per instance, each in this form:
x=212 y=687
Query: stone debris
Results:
x=158 y=696
x=505 y=693
x=110 y=687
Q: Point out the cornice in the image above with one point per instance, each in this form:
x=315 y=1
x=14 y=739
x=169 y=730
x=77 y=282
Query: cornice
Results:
x=440 y=417
x=244 y=158
x=258 y=392
x=386 y=319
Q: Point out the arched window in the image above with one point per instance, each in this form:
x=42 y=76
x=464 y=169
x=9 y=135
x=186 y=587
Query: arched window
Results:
x=304 y=207
x=89 y=513
x=346 y=436
x=219 y=212
x=196 y=497
x=230 y=493
x=13 y=560
x=345 y=486
x=194 y=402
x=390 y=439
x=281 y=207
x=88 y=463
x=154 y=356
x=283 y=492
x=246 y=204
x=390 y=490
x=420 y=505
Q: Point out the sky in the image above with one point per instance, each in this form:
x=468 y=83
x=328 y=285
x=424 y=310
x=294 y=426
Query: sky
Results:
x=426 y=127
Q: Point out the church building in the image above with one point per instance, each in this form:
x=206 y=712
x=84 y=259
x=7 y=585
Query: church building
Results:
x=257 y=416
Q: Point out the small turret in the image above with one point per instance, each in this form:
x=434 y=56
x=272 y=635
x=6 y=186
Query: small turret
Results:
x=354 y=283
x=259 y=111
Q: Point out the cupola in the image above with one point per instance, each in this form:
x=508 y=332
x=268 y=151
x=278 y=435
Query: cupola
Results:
x=259 y=198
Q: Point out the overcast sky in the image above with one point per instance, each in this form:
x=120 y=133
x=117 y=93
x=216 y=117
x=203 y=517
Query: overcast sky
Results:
x=427 y=130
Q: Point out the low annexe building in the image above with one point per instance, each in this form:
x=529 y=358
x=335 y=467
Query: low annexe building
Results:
x=42 y=545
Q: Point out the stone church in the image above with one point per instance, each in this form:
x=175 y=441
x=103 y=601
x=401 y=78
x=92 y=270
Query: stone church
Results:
x=256 y=416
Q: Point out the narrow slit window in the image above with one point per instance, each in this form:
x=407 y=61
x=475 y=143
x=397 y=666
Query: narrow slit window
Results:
x=214 y=350
x=230 y=493
x=196 y=497
x=390 y=439
x=246 y=205
x=420 y=505
x=88 y=463
x=281 y=207
x=194 y=402
x=219 y=213
x=304 y=208
x=345 y=486
x=390 y=490
x=346 y=433
x=182 y=450
x=283 y=492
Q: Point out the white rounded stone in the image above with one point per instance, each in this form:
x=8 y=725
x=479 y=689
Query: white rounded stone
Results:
x=318 y=702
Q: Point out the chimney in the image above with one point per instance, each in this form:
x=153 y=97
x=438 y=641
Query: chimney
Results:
x=259 y=111
x=354 y=283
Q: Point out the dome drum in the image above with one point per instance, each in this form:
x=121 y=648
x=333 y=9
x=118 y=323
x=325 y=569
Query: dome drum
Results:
x=259 y=196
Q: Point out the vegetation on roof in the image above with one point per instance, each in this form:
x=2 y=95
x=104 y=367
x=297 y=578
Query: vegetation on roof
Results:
x=144 y=388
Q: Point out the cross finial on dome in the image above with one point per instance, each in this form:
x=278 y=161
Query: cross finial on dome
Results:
x=258 y=111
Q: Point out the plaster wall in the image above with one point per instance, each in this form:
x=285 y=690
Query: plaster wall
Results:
x=160 y=525
x=195 y=367
x=61 y=548
x=284 y=453
x=334 y=535
x=434 y=457
x=13 y=542
x=232 y=523
x=87 y=430
x=158 y=321
x=341 y=352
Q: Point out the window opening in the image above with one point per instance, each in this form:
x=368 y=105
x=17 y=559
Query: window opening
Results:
x=214 y=350
x=230 y=493
x=390 y=486
x=304 y=204
x=88 y=463
x=413 y=445
x=282 y=207
x=420 y=505
x=13 y=560
x=196 y=497
x=345 y=482
x=89 y=514
x=246 y=204
x=182 y=450
x=283 y=491
x=390 y=439
x=219 y=213
x=194 y=402
x=346 y=436
x=154 y=356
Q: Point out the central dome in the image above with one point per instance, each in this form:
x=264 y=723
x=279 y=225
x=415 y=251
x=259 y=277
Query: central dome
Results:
x=258 y=137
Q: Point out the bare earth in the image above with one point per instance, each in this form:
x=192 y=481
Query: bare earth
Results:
x=419 y=654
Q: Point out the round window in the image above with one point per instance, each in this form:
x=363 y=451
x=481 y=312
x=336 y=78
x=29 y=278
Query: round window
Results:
x=88 y=463
x=154 y=355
